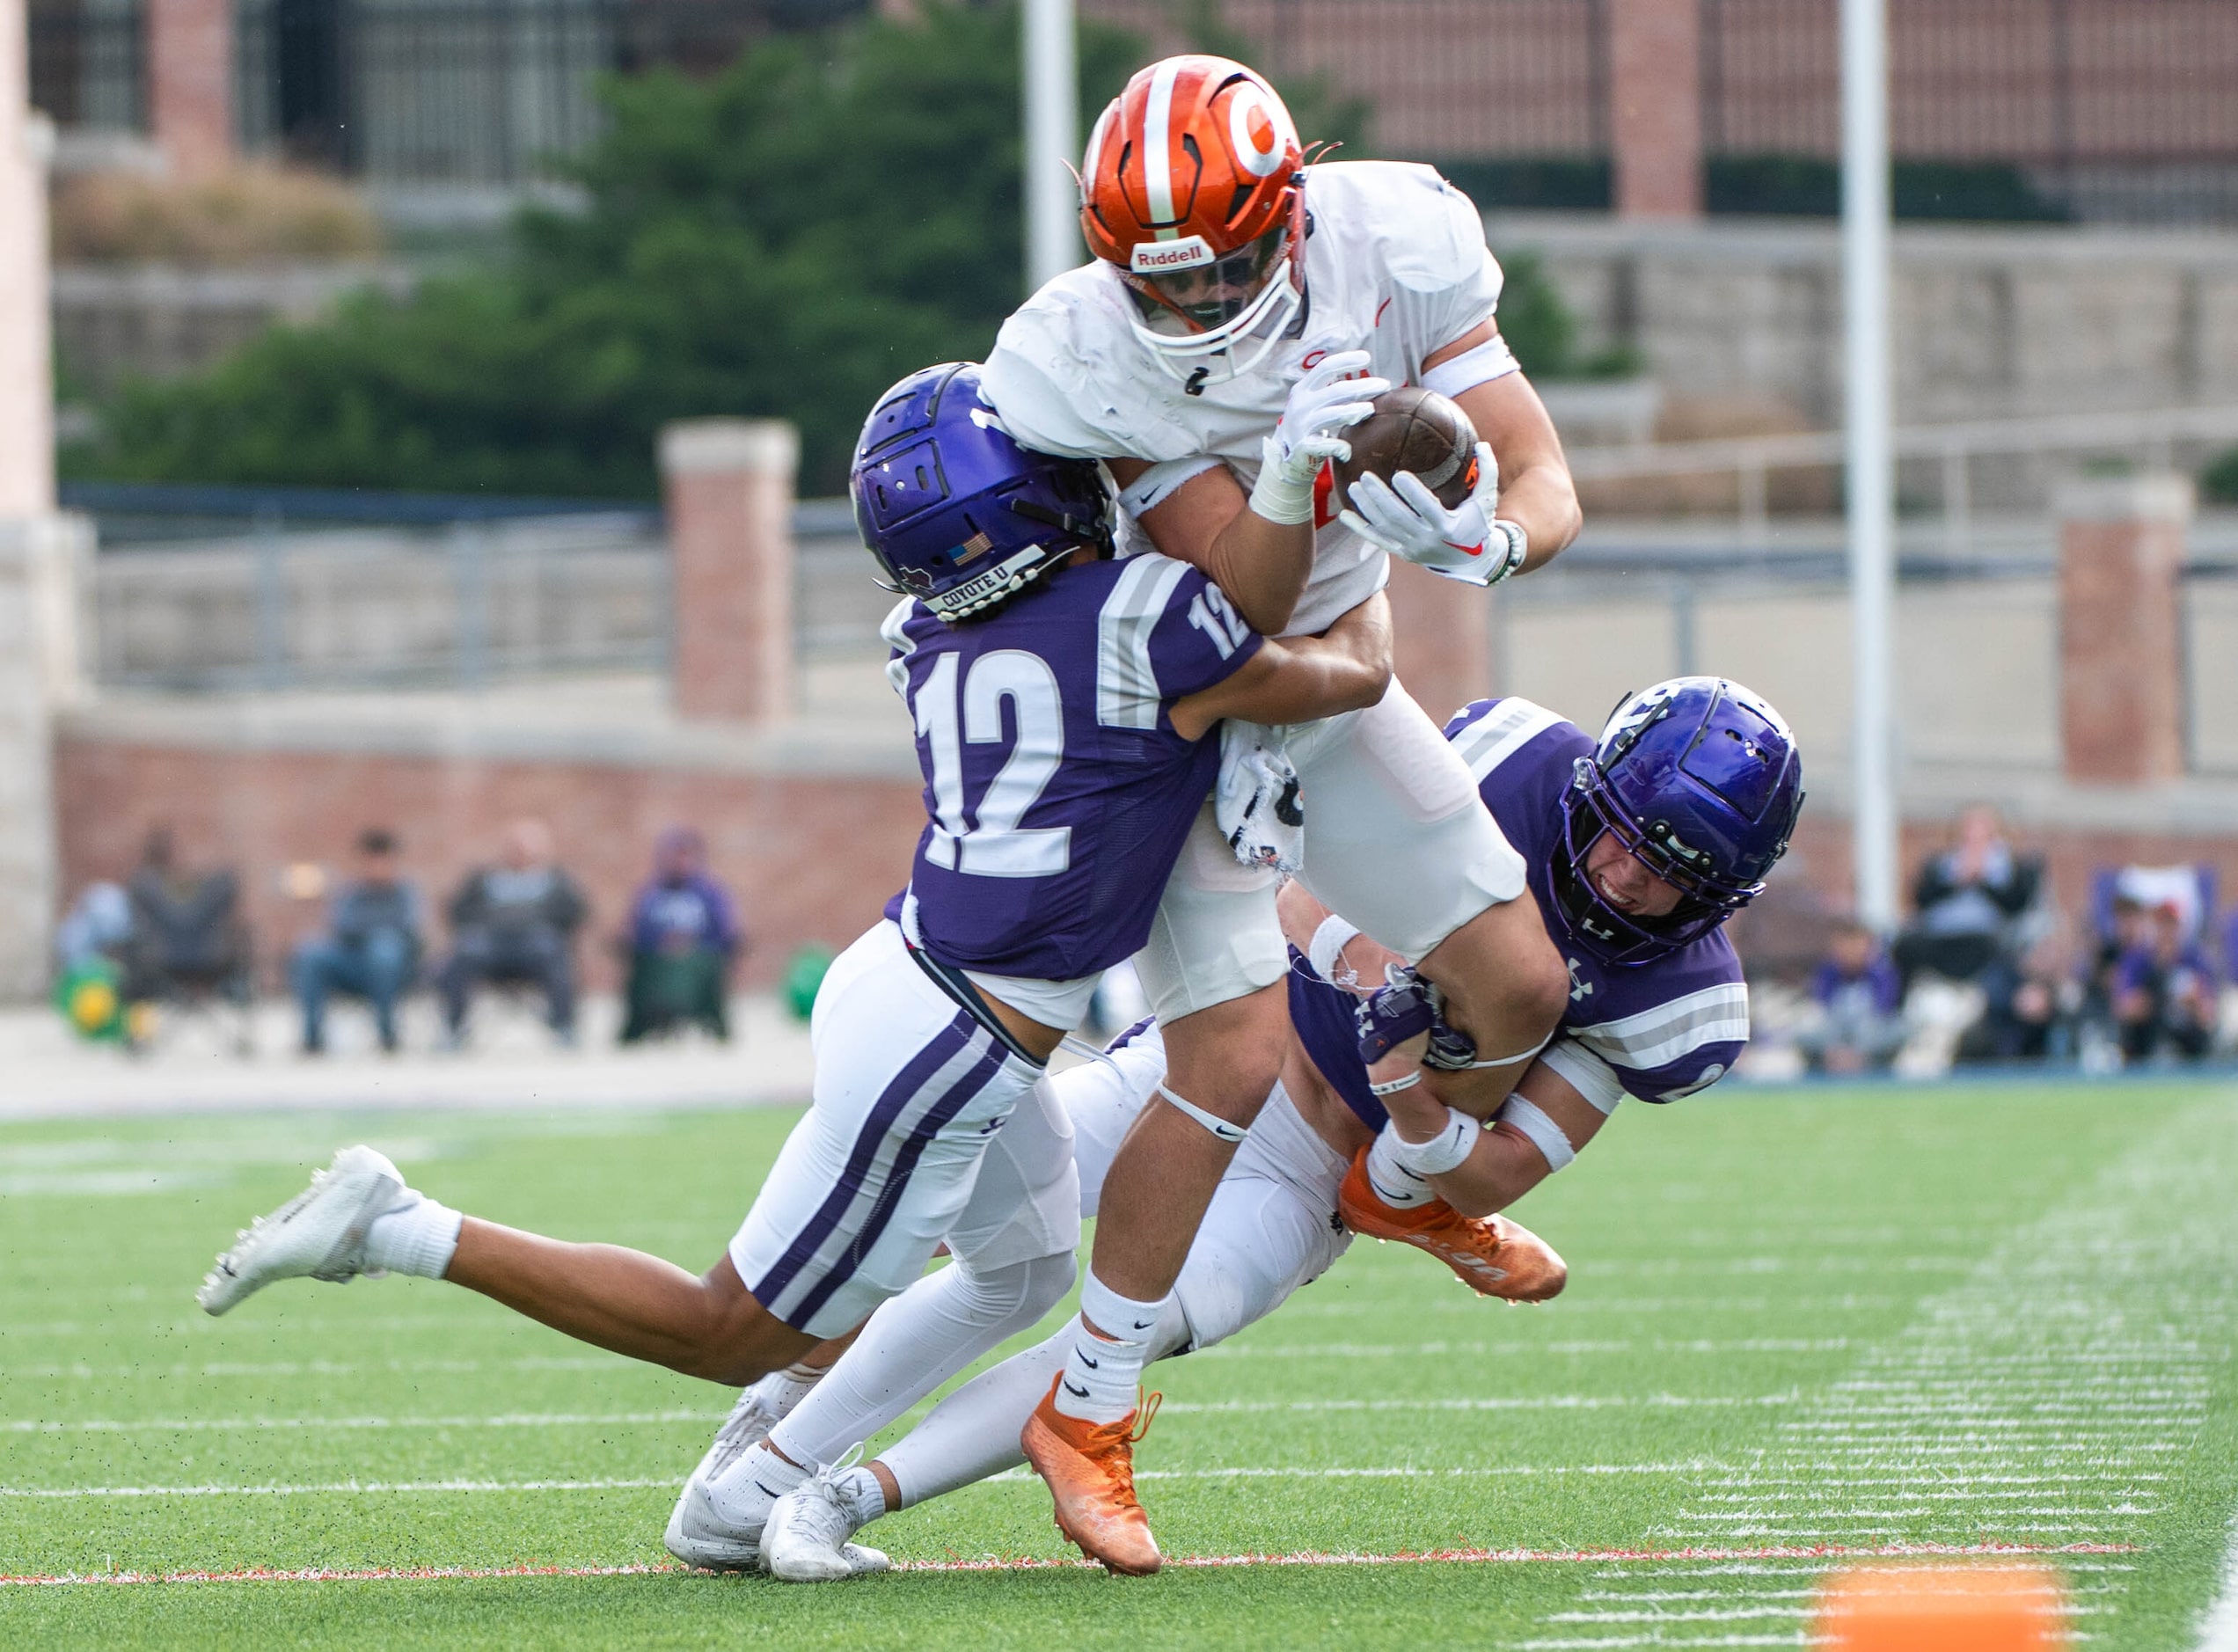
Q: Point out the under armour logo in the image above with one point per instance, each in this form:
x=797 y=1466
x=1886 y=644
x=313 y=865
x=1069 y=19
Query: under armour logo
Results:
x=1580 y=989
x=1196 y=385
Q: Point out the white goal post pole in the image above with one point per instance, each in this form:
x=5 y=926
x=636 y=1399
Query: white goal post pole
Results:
x=1869 y=462
x=1052 y=138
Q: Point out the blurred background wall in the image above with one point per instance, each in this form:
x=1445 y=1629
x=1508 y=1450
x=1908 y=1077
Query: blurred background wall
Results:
x=370 y=315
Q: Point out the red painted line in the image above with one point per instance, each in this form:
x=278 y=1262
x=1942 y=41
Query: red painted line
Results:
x=1311 y=1557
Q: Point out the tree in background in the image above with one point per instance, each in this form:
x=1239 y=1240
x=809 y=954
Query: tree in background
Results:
x=783 y=239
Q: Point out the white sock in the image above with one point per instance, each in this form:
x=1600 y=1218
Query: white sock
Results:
x=417 y=1238
x=1103 y=1371
x=862 y=1495
x=974 y=1432
x=1393 y=1183
x=914 y=1343
x=744 y=1493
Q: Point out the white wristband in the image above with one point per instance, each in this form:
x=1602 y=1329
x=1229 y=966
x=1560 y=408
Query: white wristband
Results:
x=1541 y=1131
x=1446 y=1152
x=1327 y=947
x=1393 y=1086
x=1275 y=496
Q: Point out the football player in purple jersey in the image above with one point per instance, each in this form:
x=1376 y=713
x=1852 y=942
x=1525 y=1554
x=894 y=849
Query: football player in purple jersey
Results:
x=1641 y=844
x=1061 y=700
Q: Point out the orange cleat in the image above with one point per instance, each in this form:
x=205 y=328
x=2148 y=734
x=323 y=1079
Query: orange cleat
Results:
x=1090 y=1470
x=1494 y=1256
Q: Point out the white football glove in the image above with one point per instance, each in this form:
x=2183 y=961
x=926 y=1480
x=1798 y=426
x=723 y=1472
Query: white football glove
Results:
x=1323 y=402
x=1468 y=543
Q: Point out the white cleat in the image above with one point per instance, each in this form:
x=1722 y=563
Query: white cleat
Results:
x=699 y=1537
x=319 y=1233
x=806 y=1539
x=747 y=1426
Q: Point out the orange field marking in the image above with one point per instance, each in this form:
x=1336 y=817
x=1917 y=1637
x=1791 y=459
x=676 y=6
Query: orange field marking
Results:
x=1943 y=1609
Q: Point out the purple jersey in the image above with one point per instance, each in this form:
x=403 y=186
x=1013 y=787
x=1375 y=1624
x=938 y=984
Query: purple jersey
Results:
x=1660 y=1030
x=1058 y=794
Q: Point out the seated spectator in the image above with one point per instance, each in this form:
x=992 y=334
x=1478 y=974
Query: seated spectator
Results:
x=682 y=939
x=371 y=947
x=1967 y=903
x=1861 y=1029
x=2164 y=991
x=187 y=940
x=514 y=921
x=89 y=970
x=96 y=928
x=2038 y=1021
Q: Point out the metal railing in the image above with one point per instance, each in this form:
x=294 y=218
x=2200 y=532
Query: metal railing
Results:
x=2152 y=437
x=461 y=607
x=463 y=602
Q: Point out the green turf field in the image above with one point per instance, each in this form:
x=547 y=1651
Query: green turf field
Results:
x=1852 y=1320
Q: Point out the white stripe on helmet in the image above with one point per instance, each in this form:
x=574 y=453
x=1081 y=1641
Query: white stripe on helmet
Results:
x=1157 y=142
x=1088 y=162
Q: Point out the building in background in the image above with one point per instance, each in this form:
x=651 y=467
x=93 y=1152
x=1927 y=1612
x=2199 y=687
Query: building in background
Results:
x=2101 y=110
x=407 y=94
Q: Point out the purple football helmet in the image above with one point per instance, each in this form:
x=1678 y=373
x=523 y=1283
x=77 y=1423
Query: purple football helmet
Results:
x=1700 y=781
x=959 y=515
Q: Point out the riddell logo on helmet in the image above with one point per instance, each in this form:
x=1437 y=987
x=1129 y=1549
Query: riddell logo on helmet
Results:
x=1152 y=258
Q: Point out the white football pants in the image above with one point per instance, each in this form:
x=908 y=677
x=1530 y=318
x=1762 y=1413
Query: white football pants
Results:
x=912 y=1098
x=1271 y=1228
x=1397 y=841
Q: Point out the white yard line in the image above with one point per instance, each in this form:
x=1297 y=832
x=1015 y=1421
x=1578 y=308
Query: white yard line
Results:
x=1310 y=1558
x=320 y=1425
x=355 y=1488
x=606 y=1418
x=79 y=1371
x=1524 y=1350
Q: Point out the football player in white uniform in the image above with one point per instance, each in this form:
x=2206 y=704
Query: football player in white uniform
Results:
x=1242 y=312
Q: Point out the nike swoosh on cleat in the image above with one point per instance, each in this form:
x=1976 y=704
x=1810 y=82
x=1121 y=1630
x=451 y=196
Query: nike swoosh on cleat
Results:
x=766 y=1491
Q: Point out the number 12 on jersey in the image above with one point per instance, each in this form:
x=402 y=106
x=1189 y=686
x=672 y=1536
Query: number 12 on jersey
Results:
x=998 y=846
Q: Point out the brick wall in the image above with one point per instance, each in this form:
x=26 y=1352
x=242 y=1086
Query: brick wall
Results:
x=808 y=858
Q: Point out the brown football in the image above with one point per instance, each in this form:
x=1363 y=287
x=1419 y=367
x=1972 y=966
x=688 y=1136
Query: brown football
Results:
x=1413 y=429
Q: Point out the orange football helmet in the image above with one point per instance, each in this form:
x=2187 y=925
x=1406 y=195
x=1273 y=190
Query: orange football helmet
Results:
x=1193 y=188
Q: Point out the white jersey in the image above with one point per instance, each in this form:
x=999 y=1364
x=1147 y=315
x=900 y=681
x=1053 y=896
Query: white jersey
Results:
x=1395 y=264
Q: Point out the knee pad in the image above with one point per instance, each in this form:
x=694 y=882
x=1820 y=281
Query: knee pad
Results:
x=1047 y=1280
x=1019 y=1291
